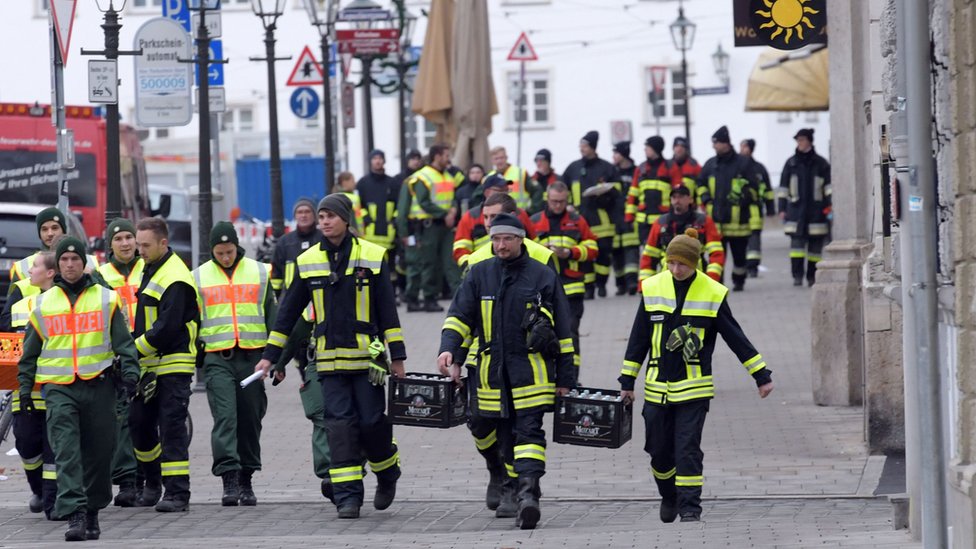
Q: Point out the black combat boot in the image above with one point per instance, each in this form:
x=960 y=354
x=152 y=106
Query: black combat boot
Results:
x=690 y=517
x=414 y=306
x=151 y=493
x=232 y=489
x=669 y=510
x=602 y=290
x=385 y=492
x=327 y=491
x=431 y=306
x=348 y=511
x=528 y=505
x=632 y=284
x=92 y=530
x=76 y=526
x=248 y=499
x=493 y=495
x=508 y=506
x=35 y=504
x=127 y=495
x=173 y=504
x=588 y=292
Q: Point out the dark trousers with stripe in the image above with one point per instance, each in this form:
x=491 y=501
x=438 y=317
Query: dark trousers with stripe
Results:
x=30 y=439
x=159 y=428
x=754 y=251
x=81 y=428
x=673 y=439
x=738 y=246
x=483 y=429
x=357 y=426
x=603 y=261
x=576 y=307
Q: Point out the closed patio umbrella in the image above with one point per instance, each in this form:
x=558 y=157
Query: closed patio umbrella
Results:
x=432 y=90
x=472 y=86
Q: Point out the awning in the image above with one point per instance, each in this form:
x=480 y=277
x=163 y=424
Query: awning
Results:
x=796 y=81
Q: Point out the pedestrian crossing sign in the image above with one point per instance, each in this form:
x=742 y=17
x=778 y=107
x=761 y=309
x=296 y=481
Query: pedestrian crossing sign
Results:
x=307 y=71
x=522 y=50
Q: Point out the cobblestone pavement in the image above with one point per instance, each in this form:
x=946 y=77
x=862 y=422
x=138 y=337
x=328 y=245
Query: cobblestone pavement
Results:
x=779 y=471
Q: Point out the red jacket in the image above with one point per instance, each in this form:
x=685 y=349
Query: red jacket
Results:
x=573 y=233
x=667 y=227
x=472 y=234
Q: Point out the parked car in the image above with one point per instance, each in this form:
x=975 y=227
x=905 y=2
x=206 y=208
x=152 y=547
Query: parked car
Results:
x=173 y=205
x=18 y=237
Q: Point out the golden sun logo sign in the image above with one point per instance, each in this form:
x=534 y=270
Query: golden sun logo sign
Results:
x=782 y=24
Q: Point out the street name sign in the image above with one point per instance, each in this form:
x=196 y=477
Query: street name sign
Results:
x=163 y=84
x=103 y=81
x=214 y=24
x=359 y=14
x=368 y=41
x=218 y=99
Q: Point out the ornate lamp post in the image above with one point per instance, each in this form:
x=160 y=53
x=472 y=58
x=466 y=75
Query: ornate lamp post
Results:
x=406 y=23
x=322 y=14
x=683 y=36
x=720 y=60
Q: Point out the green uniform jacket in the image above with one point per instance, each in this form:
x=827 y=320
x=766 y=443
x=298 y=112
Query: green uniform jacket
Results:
x=122 y=342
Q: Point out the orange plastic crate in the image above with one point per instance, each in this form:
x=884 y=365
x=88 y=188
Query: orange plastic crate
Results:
x=10 y=349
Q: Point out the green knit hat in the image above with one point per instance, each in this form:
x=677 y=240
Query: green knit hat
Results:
x=118 y=225
x=50 y=214
x=70 y=244
x=223 y=232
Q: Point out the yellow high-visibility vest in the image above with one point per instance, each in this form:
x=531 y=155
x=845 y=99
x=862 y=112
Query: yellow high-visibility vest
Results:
x=441 y=187
x=232 y=307
x=77 y=338
x=125 y=286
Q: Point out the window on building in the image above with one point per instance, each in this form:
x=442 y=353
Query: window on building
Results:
x=784 y=117
x=420 y=133
x=237 y=119
x=531 y=106
x=669 y=102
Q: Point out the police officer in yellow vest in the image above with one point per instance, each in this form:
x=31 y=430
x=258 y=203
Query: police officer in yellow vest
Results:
x=682 y=312
x=76 y=331
x=51 y=223
x=237 y=308
x=347 y=281
x=527 y=192
x=123 y=273
x=430 y=221
x=167 y=317
x=30 y=431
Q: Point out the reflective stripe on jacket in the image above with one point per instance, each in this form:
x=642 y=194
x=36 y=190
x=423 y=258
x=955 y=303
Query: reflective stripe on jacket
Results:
x=126 y=286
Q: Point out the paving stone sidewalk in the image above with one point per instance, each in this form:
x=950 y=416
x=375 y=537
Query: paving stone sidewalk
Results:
x=781 y=447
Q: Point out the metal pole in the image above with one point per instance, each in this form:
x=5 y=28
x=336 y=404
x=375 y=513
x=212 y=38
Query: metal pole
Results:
x=203 y=106
x=919 y=208
x=402 y=104
x=327 y=107
x=519 y=114
x=368 y=106
x=113 y=202
x=57 y=113
x=277 y=206
x=684 y=83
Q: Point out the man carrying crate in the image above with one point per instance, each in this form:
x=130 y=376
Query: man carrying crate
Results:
x=520 y=312
x=682 y=312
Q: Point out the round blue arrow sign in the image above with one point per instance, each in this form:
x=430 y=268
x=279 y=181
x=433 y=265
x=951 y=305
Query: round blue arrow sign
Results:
x=304 y=103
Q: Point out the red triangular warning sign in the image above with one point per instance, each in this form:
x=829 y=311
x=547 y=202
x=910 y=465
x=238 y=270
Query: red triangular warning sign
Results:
x=307 y=71
x=63 y=14
x=522 y=50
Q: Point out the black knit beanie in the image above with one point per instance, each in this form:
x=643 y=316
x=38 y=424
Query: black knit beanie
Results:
x=338 y=204
x=50 y=214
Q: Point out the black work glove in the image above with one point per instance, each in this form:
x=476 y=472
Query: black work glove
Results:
x=130 y=388
x=147 y=386
x=541 y=338
x=26 y=402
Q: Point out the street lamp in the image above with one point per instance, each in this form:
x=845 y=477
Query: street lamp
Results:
x=720 y=60
x=407 y=22
x=111 y=26
x=322 y=14
x=269 y=11
x=367 y=61
x=683 y=36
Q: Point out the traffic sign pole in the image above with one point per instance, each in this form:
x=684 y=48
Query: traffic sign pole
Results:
x=522 y=51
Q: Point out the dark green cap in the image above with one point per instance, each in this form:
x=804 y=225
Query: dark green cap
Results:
x=71 y=244
x=50 y=214
x=223 y=232
x=118 y=225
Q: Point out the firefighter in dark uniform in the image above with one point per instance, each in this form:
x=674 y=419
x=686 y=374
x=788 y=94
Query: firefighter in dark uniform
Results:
x=684 y=168
x=650 y=192
x=30 y=431
x=288 y=248
x=167 y=320
x=573 y=244
x=728 y=191
x=544 y=175
x=237 y=310
x=805 y=206
x=681 y=217
x=123 y=273
x=626 y=241
x=379 y=194
x=590 y=182
x=343 y=277
x=76 y=331
x=677 y=323
x=518 y=309
x=765 y=206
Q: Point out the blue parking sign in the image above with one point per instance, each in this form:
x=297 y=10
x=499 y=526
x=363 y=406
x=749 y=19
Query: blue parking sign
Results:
x=215 y=71
x=179 y=11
